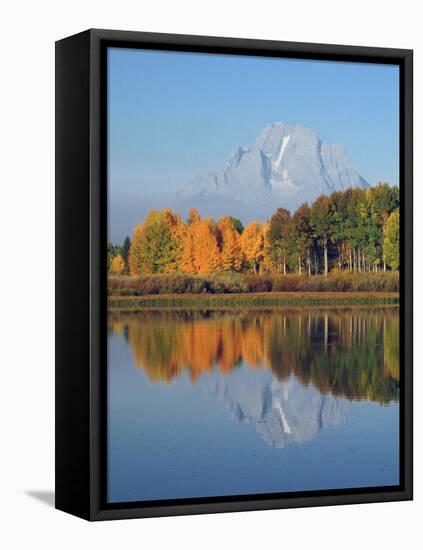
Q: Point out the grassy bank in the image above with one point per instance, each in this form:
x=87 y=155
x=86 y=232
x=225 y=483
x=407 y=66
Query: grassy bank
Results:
x=239 y=283
x=252 y=300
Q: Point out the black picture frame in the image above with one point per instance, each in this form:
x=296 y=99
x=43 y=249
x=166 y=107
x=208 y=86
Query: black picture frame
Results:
x=81 y=240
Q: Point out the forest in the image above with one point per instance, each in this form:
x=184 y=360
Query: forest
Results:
x=352 y=231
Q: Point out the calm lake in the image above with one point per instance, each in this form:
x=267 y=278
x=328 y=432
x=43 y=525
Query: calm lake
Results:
x=213 y=403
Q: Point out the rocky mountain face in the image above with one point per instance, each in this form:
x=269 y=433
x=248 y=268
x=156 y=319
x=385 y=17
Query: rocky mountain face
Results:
x=286 y=166
x=282 y=412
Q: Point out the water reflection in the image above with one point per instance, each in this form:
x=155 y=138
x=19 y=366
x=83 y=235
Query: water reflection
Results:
x=352 y=353
x=207 y=403
x=281 y=412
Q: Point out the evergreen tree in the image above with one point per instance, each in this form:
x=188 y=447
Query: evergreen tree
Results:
x=125 y=253
x=237 y=224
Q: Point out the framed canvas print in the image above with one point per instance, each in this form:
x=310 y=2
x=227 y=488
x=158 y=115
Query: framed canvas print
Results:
x=234 y=274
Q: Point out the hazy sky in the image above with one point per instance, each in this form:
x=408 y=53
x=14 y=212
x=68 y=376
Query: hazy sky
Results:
x=174 y=115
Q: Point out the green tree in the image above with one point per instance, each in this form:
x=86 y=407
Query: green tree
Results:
x=156 y=246
x=371 y=244
x=354 y=231
x=321 y=221
x=302 y=237
x=279 y=238
x=125 y=253
x=237 y=223
x=339 y=232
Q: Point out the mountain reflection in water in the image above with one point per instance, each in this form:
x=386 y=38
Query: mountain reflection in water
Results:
x=282 y=412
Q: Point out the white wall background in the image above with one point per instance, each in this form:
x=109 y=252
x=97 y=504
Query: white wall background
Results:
x=28 y=31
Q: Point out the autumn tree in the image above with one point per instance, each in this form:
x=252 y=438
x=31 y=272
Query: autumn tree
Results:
x=252 y=244
x=207 y=258
x=200 y=253
x=136 y=251
x=156 y=246
x=229 y=244
x=188 y=264
x=392 y=240
x=117 y=265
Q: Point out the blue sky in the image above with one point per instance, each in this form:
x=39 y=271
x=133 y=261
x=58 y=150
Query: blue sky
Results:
x=174 y=115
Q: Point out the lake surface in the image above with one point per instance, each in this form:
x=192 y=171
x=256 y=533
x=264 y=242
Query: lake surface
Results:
x=213 y=403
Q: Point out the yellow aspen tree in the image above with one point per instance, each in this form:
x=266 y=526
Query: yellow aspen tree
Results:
x=230 y=246
x=177 y=235
x=156 y=246
x=135 y=251
x=392 y=240
x=117 y=266
x=252 y=245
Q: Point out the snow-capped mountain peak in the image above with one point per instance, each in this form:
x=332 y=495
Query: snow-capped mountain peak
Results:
x=287 y=165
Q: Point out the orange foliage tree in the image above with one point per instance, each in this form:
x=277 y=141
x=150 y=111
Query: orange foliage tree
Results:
x=230 y=246
x=253 y=246
x=200 y=245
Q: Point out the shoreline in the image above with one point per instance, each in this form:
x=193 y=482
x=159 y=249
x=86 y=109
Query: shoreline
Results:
x=252 y=300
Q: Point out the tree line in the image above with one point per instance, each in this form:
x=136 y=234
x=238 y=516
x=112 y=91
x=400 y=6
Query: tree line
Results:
x=357 y=230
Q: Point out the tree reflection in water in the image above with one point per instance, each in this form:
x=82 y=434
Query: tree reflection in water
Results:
x=353 y=353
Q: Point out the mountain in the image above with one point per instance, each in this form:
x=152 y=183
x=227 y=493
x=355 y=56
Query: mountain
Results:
x=281 y=412
x=286 y=166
